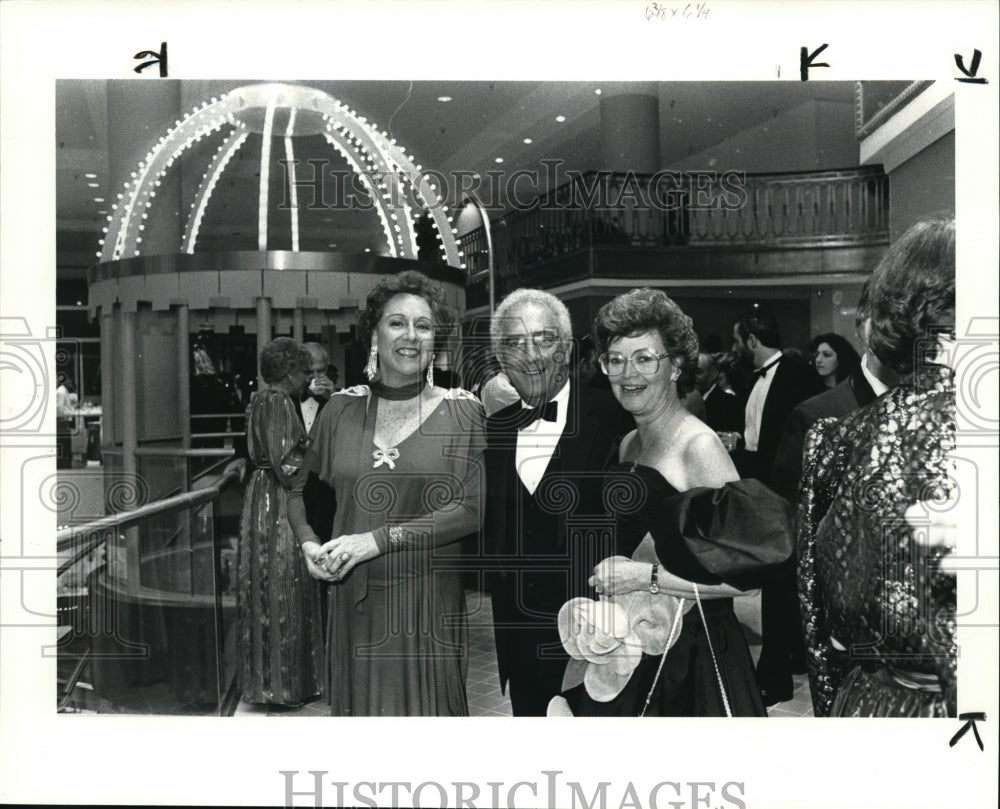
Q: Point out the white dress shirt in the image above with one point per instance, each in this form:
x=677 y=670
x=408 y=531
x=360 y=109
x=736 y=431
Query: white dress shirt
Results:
x=877 y=384
x=755 y=404
x=310 y=407
x=536 y=443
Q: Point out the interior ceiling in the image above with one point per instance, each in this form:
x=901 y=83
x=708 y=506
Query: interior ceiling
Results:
x=483 y=121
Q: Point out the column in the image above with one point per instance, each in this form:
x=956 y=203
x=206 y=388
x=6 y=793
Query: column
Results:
x=263 y=332
x=129 y=442
x=630 y=127
x=184 y=374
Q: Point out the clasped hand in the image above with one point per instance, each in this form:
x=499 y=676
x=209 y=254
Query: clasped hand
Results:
x=618 y=574
x=333 y=560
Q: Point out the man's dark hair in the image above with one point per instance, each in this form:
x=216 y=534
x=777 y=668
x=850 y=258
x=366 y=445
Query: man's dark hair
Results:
x=760 y=323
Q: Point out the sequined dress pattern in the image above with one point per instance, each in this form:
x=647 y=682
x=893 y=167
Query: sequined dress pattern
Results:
x=278 y=608
x=864 y=579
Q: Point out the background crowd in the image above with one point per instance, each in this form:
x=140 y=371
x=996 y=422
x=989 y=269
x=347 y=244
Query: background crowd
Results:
x=614 y=493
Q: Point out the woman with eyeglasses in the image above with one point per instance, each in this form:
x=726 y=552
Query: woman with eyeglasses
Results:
x=680 y=516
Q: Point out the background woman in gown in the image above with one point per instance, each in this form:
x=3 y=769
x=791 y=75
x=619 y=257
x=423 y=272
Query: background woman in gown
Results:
x=833 y=358
x=647 y=342
x=878 y=607
x=404 y=458
x=277 y=602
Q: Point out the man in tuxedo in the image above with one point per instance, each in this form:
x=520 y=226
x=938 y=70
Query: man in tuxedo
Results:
x=723 y=409
x=546 y=526
x=780 y=385
x=869 y=381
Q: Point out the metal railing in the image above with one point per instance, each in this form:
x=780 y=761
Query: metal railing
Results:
x=127 y=596
x=704 y=210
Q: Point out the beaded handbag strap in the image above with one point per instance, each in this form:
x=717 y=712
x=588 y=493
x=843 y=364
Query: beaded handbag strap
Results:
x=715 y=663
x=663 y=657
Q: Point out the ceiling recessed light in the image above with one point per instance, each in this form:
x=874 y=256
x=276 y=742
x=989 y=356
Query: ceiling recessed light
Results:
x=368 y=249
x=528 y=140
x=560 y=119
x=498 y=160
x=93 y=185
x=79 y=303
x=102 y=211
x=98 y=199
x=597 y=92
x=444 y=99
x=90 y=176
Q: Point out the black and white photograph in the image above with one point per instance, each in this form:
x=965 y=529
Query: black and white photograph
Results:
x=431 y=421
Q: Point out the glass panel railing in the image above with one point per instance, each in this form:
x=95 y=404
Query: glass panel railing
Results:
x=147 y=609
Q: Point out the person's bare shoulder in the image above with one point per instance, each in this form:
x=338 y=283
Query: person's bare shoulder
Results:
x=706 y=462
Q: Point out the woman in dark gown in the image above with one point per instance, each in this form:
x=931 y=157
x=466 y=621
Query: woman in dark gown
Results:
x=404 y=458
x=879 y=608
x=677 y=503
x=277 y=601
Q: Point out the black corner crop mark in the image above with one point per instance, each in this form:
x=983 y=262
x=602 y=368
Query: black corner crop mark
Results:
x=159 y=58
x=970 y=74
x=970 y=722
x=806 y=60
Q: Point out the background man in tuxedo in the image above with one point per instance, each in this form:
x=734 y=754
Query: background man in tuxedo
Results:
x=723 y=409
x=780 y=385
x=868 y=381
x=545 y=458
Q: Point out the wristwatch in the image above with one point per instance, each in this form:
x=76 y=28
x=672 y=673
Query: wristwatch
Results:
x=395 y=536
x=654 y=585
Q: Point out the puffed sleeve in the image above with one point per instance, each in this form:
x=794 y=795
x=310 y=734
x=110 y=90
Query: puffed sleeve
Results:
x=740 y=535
x=458 y=500
x=284 y=436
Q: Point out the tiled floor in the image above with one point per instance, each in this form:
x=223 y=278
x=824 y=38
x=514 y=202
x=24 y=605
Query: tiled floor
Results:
x=483 y=684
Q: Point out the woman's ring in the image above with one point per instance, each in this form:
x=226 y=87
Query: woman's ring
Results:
x=344 y=557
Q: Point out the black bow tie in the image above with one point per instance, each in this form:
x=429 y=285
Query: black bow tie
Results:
x=765 y=368
x=547 y=412
x=305 y=397
x=517 y=416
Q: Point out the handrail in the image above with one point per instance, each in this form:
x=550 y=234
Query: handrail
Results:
x=242 y=414
x=181 y=452
x=127 y=519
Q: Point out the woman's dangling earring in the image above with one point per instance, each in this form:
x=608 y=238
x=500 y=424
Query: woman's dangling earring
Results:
x=430 y=372
x=371 y=367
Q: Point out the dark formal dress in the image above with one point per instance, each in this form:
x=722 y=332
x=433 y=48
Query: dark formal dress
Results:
x=396 y=629
x=277 y=601
x=782 y=650
x=711 y=652
x=864 y=580
x=542 y=547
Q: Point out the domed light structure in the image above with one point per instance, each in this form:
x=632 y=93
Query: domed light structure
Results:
x=289 y=111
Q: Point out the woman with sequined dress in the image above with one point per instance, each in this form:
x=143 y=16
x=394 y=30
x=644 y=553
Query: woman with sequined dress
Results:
x=878 y=603
x=280 y=658
x=405 y=460
x=674 y=490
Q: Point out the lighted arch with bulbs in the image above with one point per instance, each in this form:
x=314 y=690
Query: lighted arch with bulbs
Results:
x=289 y=111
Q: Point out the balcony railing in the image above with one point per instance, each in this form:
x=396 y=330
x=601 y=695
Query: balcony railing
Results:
x=698 y=210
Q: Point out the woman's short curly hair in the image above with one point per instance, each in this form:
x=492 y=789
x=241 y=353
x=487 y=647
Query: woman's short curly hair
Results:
x=847 y=357
x=282 y=356
x=408 y=282
x=643 y=310
x=912 y=294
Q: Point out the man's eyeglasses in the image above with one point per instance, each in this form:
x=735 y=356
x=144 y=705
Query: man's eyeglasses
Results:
x=544 y=340
x=645 y=362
